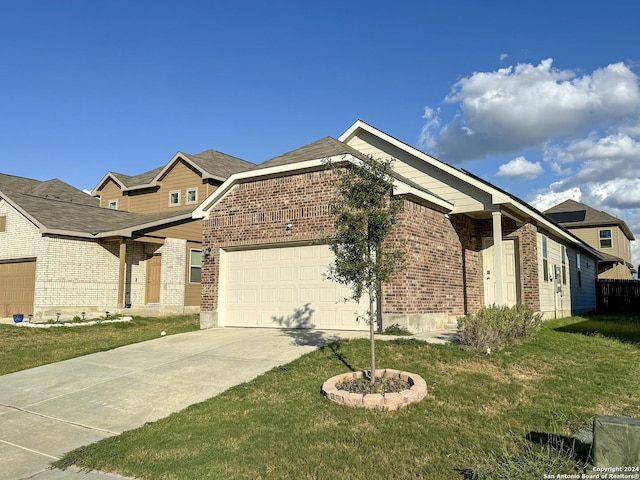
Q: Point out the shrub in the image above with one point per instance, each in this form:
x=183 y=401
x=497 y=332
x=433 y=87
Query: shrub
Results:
x=498 y=325
x=396 y=329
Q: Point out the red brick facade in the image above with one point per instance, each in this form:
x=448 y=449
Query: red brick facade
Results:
x=443 y=273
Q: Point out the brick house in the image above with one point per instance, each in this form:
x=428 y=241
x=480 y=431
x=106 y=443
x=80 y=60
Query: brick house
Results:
x=469 y=244
x=135 y=248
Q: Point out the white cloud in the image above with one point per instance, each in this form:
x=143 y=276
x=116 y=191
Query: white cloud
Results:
x=547 y=198
x=504 y=56
x=520 y=169
x=525 y=106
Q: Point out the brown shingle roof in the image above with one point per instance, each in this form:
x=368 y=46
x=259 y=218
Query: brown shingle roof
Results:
x=571 y=214
x=53 y=189
x=57 y=206
x=212 y=163
x=217 y=164
x=324 y=148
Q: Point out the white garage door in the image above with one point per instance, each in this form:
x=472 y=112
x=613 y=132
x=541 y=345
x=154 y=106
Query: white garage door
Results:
x=285 y=287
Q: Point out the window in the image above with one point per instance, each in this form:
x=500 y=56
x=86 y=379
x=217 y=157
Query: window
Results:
x=605 y=238
x=564 y=265
x=113 y=204
x=195 y=266
x=578 y=265
x=545 y=260
x=192 y=195
x=3 y=223
x=174 y=198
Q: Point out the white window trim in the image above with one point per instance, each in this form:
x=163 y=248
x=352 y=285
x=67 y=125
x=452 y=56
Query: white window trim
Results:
x=195 y=266
x=609 y=238
x=115 y=202
x=545 y=259
x=191 y=202
x=171 y=193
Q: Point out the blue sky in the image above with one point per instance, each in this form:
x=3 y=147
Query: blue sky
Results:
x=540 y=98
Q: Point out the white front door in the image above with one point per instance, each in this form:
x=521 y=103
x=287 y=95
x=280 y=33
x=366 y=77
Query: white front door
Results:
x=510 y=275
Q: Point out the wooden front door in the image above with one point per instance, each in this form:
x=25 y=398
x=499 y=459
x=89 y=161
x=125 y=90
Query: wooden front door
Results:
x=154 y=267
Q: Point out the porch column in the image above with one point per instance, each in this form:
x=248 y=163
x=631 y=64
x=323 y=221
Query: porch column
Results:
x=498 y=262
x=122 y=272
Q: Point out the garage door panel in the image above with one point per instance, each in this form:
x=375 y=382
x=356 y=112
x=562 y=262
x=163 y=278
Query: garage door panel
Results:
x=292 y=291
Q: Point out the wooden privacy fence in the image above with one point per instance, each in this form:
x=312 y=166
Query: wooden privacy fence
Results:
x=618 y=295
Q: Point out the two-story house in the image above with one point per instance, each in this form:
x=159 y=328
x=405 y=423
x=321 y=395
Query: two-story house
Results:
x=606 y=233
x=134 y=248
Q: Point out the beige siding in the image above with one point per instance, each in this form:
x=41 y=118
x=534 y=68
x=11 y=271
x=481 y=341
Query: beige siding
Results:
x=620 y=245
x=179 y=178
x=144 y=201
x=463 y=196
x=192 y=291
x=552 y=303
x=188 y=231
x=111 y=191
x=617 y=272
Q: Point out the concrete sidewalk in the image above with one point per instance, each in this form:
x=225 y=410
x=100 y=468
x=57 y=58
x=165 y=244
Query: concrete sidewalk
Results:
x=50 y=410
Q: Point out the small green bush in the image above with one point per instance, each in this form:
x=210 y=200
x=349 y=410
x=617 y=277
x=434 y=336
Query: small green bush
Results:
x=495 y=326
x=396 y=329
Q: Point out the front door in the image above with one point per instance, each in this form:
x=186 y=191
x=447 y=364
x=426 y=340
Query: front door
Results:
x=510 y=276
x=154 y=266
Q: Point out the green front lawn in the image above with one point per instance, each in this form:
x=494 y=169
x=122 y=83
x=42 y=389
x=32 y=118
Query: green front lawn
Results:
x=478 y=419
x=26 y=347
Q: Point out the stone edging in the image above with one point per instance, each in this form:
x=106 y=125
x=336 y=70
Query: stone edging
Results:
x=387 y=401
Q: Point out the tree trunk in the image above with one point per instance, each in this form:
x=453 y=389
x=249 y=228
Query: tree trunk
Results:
x=372 y=317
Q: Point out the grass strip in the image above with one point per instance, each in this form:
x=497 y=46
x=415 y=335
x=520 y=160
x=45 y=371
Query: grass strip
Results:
x=24 y=347
x=477 y=422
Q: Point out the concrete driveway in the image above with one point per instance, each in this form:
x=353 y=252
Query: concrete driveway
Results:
x=49 y=410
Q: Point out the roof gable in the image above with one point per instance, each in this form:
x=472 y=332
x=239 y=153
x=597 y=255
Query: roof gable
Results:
x=210 y=164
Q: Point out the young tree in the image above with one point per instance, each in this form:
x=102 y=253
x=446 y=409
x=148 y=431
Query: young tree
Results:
x=365 y=211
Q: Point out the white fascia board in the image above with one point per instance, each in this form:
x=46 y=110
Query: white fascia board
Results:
x=203 y=210
x=401 y=188
x=497 y=197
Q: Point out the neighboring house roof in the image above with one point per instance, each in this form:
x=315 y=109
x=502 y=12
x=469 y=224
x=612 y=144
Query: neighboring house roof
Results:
x=211 y=164
x=572 y=214
x=56 y=207
x=52 y=189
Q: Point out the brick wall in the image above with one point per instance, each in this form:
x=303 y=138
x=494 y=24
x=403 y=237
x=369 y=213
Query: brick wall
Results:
x=173 y=267
x=74 y=273
x=256 y=214
x=438 y=252
x=439 y=249
x=21 y=238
